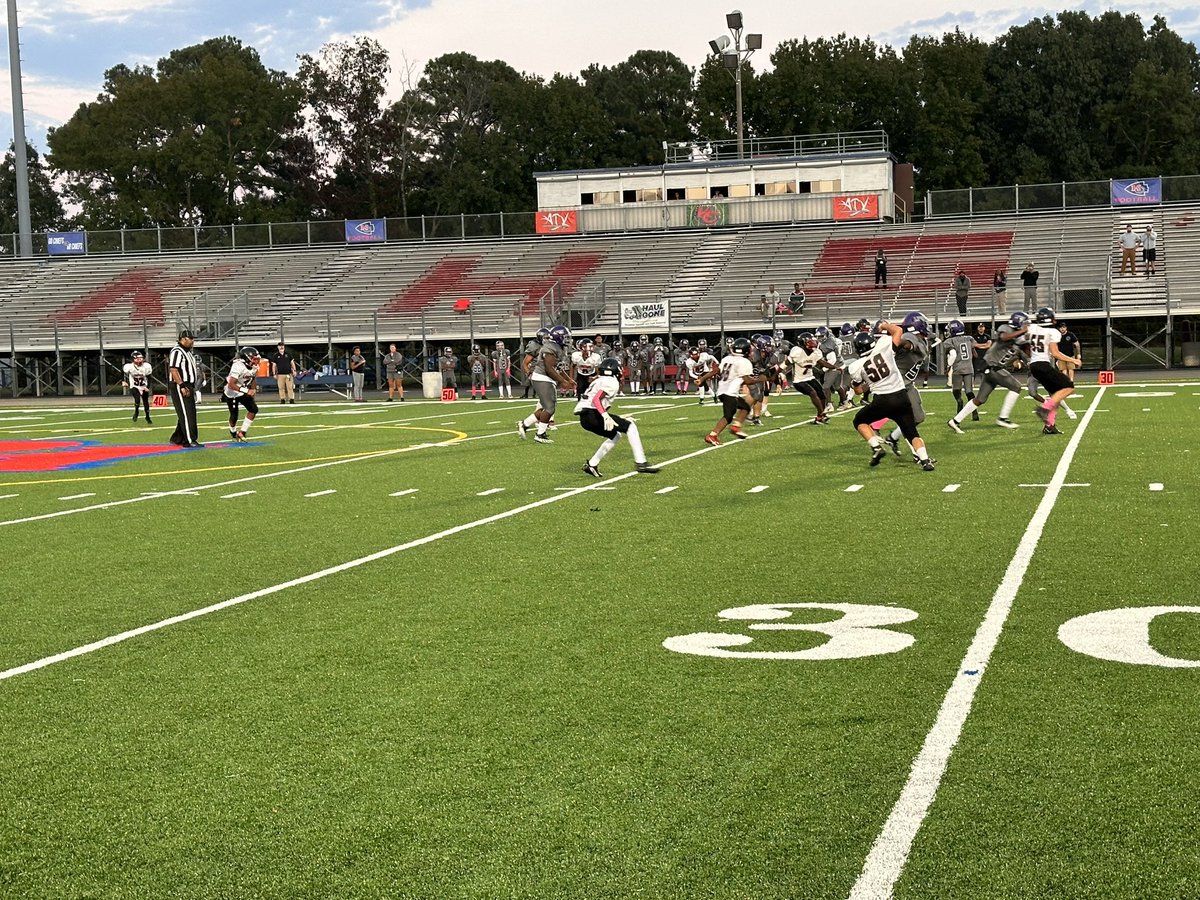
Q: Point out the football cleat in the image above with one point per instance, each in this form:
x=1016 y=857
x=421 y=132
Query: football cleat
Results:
x=1071 y=414
x=738 y=433
x=877 y=455
x=928 y=464
x=712 y=439
x=821 y=420
x=589 y=469
x=522 y=429
x=1005 y=423
x=893 y=444
x=1050 y=429
x=542 y=439
x=647 y=469
x=954 y=427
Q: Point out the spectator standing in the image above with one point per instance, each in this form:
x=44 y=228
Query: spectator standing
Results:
x=880 y=268
x=283 y=367
x=770 y=300
x=1000 y=289
x=137 y=379
x=358 y=373
x=962 y=290
x=181 y=371
x=1149 y=250
x=1029 y=279
x=393 y=367
x=1128 y=242
x=796 y=301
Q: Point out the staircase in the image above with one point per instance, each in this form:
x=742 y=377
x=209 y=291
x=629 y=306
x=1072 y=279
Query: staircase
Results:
x=699 y=272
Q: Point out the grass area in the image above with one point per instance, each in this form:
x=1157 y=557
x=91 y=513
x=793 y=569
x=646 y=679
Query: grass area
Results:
x=481 y=703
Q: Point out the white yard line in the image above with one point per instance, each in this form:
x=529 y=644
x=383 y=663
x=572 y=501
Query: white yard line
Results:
x=8 y=496
x=951 y=488
x=667 y=489
x=758 y=489
x=321 y=493
x=489 y=492
x=404 y=493
x=77 y=496
x=854 y=489
x=238 y=494
x=888 y=855
x=323 y=573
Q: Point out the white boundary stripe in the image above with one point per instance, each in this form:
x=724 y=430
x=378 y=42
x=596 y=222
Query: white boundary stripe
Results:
x=321 y=493
x=489 y=492
x=323 y=573
x=404 y=493
x=890 y=851
x=758 y=489
x=854 y=489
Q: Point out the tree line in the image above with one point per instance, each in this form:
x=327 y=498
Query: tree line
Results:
x=211 y=136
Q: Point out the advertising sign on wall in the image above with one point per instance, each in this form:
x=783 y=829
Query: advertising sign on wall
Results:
x=558 y=222
x=637 y=316
x=66 y=243
x=856 y=207
x=366 y=231
x=1132 y=191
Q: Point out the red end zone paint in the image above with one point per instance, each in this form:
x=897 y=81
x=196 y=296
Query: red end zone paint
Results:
x=59 y=456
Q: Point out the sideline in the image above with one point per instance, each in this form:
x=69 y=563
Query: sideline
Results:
x=889 y=853
x=346 y=566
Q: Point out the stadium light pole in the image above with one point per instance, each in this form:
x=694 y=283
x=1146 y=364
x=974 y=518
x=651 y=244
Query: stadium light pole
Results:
x=733 y=54
x=20 y=163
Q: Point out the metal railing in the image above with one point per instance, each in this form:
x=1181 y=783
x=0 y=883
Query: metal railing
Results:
x=1063 y=195
x=838 y=142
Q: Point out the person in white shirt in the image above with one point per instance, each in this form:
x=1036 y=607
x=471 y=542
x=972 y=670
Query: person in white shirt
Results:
x=585 y=361
x=1150 y=250
x=1043 y=337
x=595 y=416
x=700 y=367
x=1128 y=242
x=137 y=379
x=735 y=373
x=240 y=387
x=877 y=371
x=804 y=360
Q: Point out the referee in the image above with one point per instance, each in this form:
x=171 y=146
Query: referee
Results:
x=181 y=369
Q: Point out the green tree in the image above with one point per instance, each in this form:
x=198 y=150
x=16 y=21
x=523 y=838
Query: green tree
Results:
x=647 y=99
x=186 y=144
x=45 y=206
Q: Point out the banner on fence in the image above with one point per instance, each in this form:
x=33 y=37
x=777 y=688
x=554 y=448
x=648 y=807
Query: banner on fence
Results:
x=66 y=243
x=636 y=316
x=856 y=207
x=558 y=222
x=366 y=231
x=708 y=215
x=1132 y=191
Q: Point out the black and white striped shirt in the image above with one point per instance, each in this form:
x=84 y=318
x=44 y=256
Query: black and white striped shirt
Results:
x=183 y=360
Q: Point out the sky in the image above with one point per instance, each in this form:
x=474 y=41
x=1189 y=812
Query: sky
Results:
x=67 y=45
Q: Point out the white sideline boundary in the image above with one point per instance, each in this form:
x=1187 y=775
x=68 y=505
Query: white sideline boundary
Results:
x=110 y=641
x=889 y=854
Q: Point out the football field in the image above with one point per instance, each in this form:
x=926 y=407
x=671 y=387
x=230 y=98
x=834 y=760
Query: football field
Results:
x=392 y=650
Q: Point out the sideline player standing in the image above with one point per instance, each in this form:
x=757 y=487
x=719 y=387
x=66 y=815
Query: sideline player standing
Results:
x=137 y=379
x=182 y=372
x=595 y=416
x=877 y=370
x=1043 y=352
x=240 y=388
x=736 y=371
x=502 y=370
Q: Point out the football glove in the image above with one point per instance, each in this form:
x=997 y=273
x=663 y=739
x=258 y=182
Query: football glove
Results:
x=609 y=424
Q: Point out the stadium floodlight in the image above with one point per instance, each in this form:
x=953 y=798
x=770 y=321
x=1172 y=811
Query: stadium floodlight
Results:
x=20 y=163
x=732 y=60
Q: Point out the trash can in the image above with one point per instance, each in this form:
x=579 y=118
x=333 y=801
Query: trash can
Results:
x=431 y=385
x=1191 y=354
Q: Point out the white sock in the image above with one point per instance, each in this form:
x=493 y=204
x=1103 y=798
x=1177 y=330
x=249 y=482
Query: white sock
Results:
x=602 y=450
x=246 y=424
x=970 y=407
x=1010 y=400
x=922 y=453
x=530 y=420
x=895 y=435
x=635 y=443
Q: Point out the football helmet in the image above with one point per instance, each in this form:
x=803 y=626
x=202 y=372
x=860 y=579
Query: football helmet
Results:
x=447 y=351
x=136 y=355
x=474 y=348
x=741 y=346
x=864 y=343
x=586 y=347
x=763 y=343
x=1018 y=319
x=499 y=345
x=822 y=332
x=644 y=339
x=1045 y=316
x=561 y=335
x=702 y=345
x=955 y=328
x=683 y=344
x=610 y=367
x=777 y=334
x=846 y=330
x=657 y=341
x=917 y=322
x=542 y=333
x=807 y=340
x=695 y=354
x=877 y=328
x=861 y=324
x=249 y=355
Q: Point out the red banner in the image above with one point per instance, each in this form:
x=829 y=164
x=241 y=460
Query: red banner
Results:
x=853 y=207
x=557 y=222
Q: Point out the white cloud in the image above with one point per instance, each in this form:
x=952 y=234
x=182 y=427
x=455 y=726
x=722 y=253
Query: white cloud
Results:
x=50 y=14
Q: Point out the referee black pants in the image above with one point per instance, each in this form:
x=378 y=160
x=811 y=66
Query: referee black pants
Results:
x=185 y=433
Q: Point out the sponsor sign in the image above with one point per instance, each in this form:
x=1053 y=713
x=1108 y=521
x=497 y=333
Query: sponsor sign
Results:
x=855 y=207
x=66 y=243
x=644 y=316
x=708 y=215
x=366 y=231
x=1133 y=191
x=558 y=222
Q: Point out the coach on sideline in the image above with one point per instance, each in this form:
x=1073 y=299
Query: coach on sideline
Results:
x=181 y=370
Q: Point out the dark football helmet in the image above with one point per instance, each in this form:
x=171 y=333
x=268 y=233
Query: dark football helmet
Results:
x=741 y=346
x=610 y=367
x=916 y=321
x=822 y=332
x=846 y=330
x=561 y=335
x=955 y=328
x=864 y=343
x=807 y=340
x=542 y=333
x=1045 y=316
x=499 y=345
x=1018 y=319
x=861 y=324
x=136 y=355
x=249 y=355
x=447 y=351
x=586 y=347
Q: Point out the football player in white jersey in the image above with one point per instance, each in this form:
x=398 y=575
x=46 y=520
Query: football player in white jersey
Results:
x=805 y=359
x=877 y=370
x=137 y=379
x=1043 y=339
x=240 y=387
x=585 y=361
x=595 y=416
x=735 y=373
x=701 y=372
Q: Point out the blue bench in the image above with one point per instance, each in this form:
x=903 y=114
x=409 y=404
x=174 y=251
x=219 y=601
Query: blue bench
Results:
x=337 y=384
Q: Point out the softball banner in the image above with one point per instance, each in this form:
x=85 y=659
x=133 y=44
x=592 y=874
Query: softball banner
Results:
x=644 y=316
